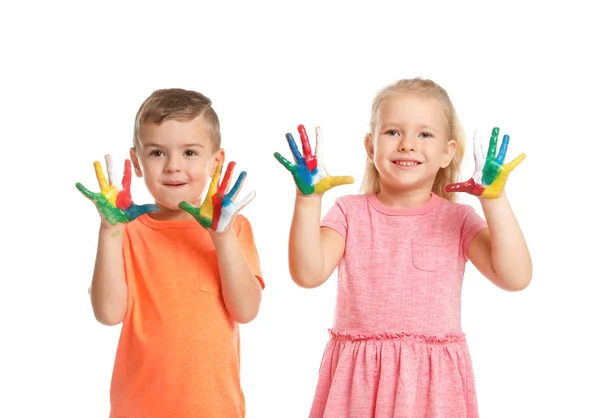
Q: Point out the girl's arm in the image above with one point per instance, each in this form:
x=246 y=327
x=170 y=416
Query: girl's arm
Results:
x=500 y=252
x=314 y=252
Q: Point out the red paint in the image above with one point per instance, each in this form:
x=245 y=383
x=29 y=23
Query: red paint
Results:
x=217 y=198
x=124 y=196
x=469 y=186
x=311 y=160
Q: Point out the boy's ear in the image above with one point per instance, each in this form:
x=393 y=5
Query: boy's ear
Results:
x=135 y=162
x=219 y=159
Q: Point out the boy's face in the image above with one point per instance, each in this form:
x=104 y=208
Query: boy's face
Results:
x=176 y=160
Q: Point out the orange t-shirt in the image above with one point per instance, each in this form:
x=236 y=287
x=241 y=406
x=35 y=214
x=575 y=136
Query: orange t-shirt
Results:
x=179 y=351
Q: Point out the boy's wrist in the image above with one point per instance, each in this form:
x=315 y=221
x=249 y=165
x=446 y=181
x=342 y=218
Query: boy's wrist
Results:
x=221 y=237
x=111 y=230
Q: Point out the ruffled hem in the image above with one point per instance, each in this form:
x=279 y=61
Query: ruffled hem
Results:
x=429 y=339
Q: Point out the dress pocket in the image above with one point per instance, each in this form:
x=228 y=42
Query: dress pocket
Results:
x=428 y=256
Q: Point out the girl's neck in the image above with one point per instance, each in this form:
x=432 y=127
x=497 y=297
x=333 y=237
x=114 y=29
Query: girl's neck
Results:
x=403 y=199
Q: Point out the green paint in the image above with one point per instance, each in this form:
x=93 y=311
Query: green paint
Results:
x=195 y=212
x=112 y=214
x=491 y=169
x=305 y=188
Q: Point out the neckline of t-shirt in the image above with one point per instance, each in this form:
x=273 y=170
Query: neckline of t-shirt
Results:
x=179 y=224
x=416 y=210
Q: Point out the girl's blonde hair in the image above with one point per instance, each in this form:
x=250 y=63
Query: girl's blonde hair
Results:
x=445 y=176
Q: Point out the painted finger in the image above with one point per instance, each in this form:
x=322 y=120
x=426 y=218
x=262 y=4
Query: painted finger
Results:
x=124 y=197
x=101 y=179
x=469 y=186
x=503 y=148
x=84 y=191
x=288 y=165
x=229 y=197
x=493 y=141
x=110 y=169
x=305 y=142
x=226 y=178
x=134 y=211
x=514 y=163
x=479 y=156
x=294 y=148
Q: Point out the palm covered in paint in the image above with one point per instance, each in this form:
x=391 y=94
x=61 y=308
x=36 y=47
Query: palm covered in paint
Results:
x=218 y=210
x=114 y=204
x=491 y=173
x=309 y=171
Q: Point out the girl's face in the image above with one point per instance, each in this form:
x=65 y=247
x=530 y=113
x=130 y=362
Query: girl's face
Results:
x=411 y=142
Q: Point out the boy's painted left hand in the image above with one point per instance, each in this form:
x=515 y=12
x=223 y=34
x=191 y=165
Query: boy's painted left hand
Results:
x=218 y=210
x=491 y=173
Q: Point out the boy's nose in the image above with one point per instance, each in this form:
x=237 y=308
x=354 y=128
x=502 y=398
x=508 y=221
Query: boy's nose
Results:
x=173 y=165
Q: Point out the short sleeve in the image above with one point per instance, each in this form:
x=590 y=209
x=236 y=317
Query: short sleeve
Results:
x=472 y=225
x=336 y=218
x=246 y=240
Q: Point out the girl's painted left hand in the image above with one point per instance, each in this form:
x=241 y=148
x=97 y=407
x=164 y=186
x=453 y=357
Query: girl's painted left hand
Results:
x=491 y=173
x=218 y=210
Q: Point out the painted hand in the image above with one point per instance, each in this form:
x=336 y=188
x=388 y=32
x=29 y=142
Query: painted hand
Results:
x=115 y=205
x=309 y=171
x=218 y=210
x=491 y=173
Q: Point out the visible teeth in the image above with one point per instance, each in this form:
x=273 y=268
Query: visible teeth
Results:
x=407 y=163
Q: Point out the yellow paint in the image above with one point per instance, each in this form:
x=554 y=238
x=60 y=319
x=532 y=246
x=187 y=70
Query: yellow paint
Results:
x=109 y=191
x=206 y=210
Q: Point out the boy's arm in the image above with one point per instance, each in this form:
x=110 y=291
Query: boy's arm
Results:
x=108 y=291
x=500 y=252
x=314 y=252
x=242 y=292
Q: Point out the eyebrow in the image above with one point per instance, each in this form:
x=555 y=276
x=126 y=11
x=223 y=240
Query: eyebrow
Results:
x=394 y=125
x=191 y=144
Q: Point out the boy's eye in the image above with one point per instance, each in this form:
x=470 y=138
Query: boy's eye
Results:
x=425 y=135
x=156 y=153
x=392 y=132
x=190 y=153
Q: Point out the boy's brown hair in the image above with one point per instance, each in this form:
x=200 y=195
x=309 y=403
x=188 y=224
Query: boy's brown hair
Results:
x=178 y=104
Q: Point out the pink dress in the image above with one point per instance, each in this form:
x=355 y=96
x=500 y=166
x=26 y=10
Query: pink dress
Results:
x=396 y=347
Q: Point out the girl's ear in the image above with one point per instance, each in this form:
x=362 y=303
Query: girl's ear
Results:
x=369 y=146
x=448 y=153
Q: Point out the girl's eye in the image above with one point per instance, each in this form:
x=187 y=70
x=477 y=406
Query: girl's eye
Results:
x=190 y=153
x=156 y=153
x=392 y=132
x=425 y=135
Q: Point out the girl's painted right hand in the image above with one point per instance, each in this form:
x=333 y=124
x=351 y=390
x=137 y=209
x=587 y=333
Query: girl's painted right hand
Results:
x=309 y=171
x=115 y=206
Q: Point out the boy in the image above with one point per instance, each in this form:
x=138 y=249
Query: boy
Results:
x=178 y=288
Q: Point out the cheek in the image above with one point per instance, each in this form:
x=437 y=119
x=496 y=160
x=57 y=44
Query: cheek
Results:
x=201 y=170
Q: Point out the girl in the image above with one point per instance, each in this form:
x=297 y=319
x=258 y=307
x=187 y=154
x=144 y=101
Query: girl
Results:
x=396 y=347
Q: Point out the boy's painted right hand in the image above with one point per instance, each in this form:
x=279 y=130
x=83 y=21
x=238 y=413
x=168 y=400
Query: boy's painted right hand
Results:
x=309 y=171
x=115 y=206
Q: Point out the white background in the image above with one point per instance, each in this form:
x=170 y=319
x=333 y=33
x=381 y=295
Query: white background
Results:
x=73 y=76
